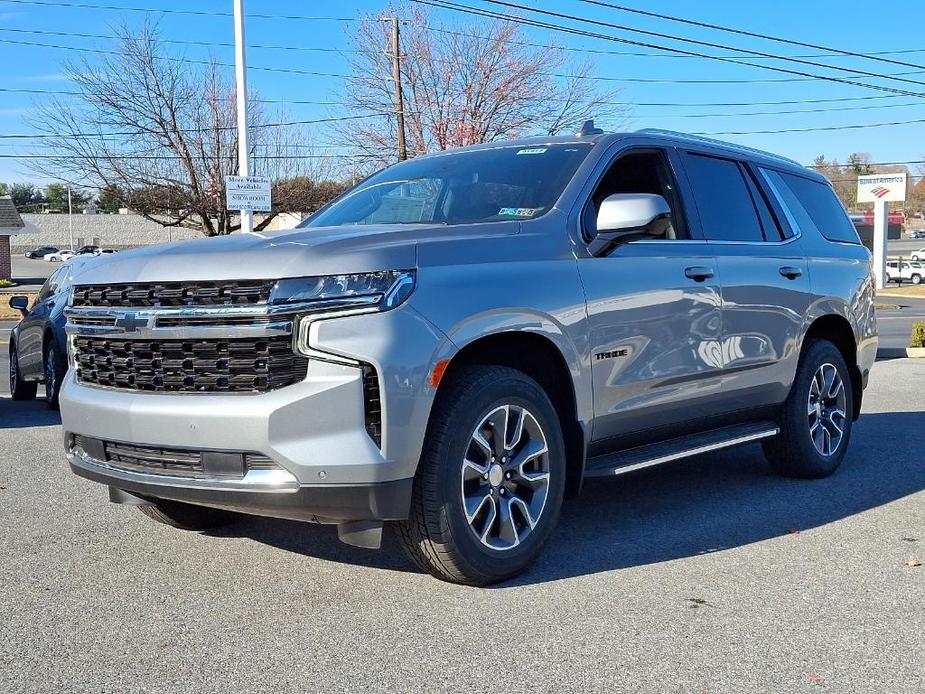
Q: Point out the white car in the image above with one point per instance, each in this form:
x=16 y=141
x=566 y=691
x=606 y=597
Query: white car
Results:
x=919 y=254
x=912 y=272
x=59 y=257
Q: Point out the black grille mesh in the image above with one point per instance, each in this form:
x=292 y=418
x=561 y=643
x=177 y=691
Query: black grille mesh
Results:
x=209 y=366
x=174 y=294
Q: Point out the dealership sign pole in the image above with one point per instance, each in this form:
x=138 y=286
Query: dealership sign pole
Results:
x=240 y=74
x=881 y=189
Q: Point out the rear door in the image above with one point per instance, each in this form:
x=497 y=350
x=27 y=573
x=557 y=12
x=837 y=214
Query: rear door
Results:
x=765 y=278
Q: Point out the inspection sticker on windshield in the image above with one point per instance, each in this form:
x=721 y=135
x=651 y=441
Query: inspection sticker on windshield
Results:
x=532 y=150
x=519 y=211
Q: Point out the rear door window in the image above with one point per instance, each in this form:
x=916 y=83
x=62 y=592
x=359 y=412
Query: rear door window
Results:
x=814 y=205
x=726 y=207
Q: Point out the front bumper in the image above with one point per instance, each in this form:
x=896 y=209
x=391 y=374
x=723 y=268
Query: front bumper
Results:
x=275 y=498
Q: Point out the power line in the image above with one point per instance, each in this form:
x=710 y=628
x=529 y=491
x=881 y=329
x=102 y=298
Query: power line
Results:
x=856 y=126
x=23 y=136
x=789 y=111
x=623 y=27
x=743 y=32
x=661 y=104
x=444 y=4
x=175 y=60
x=198 y=13
x=636 y=54
x=186 y=42
x=160 y=157
x=629 y=80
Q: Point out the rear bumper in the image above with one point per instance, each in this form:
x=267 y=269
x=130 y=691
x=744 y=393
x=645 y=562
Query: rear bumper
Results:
x=280 y=497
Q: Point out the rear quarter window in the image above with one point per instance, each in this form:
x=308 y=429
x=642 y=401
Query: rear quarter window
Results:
x=815 y=204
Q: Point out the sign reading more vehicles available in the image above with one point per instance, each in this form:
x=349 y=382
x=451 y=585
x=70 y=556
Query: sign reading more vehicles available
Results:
x=248 y=193
x=882 y=188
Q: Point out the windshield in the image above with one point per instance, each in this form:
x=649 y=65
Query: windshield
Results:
x=502 y=183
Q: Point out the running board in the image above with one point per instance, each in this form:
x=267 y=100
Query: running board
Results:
x=641 y=457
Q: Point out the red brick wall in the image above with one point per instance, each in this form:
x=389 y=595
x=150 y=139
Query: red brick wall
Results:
x=6 y=270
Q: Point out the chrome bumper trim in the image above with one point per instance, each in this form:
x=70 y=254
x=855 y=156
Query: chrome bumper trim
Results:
x=260 y=481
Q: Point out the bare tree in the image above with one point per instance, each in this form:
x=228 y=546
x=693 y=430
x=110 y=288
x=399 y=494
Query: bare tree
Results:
x=466 y=84
x=158 y=133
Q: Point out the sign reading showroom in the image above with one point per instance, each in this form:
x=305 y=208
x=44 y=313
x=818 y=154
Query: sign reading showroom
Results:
x=248 y=193
x=882 y=188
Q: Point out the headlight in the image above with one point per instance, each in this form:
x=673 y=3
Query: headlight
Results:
x=318 y=297
x=382 y=290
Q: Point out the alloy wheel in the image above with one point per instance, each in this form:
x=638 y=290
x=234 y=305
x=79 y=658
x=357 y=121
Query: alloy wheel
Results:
x=505 y=477
x=827 y=409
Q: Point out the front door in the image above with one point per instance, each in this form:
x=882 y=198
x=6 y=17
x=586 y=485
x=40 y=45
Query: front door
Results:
x=654 y=315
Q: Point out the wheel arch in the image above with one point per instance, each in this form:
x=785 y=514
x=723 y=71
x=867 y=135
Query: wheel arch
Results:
x=835 y=328
x=539 y=357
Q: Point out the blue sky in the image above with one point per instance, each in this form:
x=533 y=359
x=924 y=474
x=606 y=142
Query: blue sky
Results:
x=850 y=26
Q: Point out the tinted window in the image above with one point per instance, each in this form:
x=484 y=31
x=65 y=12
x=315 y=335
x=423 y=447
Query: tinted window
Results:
x=815 y=205
x=769 y=225
x=501 y=183
x=723 y=199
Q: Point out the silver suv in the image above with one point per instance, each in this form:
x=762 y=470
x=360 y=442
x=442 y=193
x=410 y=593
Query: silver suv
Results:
x=458 y=342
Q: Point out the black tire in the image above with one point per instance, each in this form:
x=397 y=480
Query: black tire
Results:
x=793 y=453
x=176 y=514
x=437 y=535
x=888 y=279
x=19 y=389
x=54 y=374
x=916 y=279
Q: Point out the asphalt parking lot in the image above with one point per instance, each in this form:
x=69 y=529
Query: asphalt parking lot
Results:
x=709 y=575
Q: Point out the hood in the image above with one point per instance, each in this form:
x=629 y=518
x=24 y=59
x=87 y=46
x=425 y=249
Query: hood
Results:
x=296 y=253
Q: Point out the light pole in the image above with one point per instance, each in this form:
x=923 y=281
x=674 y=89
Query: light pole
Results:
x=240 y=74
x=70 y=222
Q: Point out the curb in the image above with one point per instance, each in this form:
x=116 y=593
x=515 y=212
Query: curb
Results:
x=901 y=353
x=900 y=296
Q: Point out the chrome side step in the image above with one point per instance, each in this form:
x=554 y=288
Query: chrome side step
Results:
x=641 y=457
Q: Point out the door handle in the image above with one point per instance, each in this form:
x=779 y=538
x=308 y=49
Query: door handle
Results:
x=698 y=273
x=790 y=272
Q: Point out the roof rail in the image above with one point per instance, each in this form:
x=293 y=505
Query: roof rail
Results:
x=710 y=141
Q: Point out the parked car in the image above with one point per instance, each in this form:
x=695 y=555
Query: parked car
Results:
x=59 y=256
x=88 y=250
x=38 y=343
x=907 y=272
x=460 y=341
x=918 y=234
x=40 y=252
x=919 y=254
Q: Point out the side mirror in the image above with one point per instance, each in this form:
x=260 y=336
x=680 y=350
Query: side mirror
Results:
x=20 y=303
x=630 y=214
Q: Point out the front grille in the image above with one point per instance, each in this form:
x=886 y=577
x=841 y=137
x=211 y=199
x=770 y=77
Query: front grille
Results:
x=174 y=294
x=234 y=365
x=176 y=462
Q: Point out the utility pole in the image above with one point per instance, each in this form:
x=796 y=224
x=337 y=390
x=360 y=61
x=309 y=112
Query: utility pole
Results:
x=240 y=74
x=70 y=219
x=396 y=77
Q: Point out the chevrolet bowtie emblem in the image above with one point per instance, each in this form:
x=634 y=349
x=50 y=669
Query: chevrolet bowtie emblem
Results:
x=129 y=322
